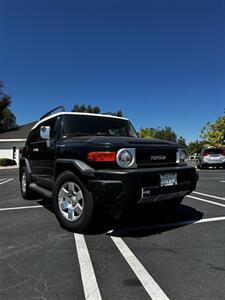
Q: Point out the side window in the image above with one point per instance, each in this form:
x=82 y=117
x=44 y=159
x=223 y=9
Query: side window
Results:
x=34 y=135
x=53 y=123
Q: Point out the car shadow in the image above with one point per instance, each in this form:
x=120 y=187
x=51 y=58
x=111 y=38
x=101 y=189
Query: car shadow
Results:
x=46 y=203
x=146 y=221
x=139 y=221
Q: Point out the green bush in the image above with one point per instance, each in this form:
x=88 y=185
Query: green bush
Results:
x=7 y=162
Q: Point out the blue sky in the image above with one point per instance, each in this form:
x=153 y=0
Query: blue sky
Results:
x=161 y=61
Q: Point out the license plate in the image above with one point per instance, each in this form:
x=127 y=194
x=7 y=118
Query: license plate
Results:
x=168 y=179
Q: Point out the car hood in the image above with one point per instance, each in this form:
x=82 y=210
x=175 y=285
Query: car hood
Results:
x=122 y=141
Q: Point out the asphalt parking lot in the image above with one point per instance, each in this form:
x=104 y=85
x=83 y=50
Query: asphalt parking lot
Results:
x=149 y=254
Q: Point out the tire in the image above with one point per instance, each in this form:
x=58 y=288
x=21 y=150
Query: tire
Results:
x=73 y=204
x=25 y=180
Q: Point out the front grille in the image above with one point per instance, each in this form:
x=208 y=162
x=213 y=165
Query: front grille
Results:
x=155 y=157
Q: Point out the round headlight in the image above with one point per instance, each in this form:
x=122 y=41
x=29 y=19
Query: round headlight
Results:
x=124 y=158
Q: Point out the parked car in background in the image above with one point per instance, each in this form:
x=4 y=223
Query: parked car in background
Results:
x=211 y=157
x=194 y=156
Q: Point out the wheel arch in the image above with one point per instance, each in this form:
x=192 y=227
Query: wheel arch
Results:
x=79 y=168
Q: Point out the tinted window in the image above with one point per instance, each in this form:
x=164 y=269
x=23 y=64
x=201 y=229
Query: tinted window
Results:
x=75 y=125
x=213 y=151
x=34 y=135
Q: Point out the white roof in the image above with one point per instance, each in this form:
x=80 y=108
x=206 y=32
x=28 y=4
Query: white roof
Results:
x=76 y=113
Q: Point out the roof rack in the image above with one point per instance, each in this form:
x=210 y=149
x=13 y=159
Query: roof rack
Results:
x=61 y=107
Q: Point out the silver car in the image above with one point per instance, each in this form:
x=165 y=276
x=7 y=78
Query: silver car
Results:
x=214 y=157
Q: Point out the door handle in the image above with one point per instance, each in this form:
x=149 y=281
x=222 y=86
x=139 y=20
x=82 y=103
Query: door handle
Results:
x=35 y=149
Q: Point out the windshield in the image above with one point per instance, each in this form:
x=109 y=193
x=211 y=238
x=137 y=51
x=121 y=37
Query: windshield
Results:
x=84 y=125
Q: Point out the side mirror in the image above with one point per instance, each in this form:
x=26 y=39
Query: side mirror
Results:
x=45 y=132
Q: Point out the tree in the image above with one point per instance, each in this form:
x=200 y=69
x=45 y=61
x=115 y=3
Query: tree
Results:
x=94 y=110
x=166 y=133
x=117 y=113
x=181 y=141
x=214 y=132
x=80 y=108
x=76 y=108
x=88 y=109
x=7 y=118
x=196 y=147
x=83 y=108
x=147 y=133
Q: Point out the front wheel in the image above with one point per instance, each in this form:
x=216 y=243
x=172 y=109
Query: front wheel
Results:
x=73 y=204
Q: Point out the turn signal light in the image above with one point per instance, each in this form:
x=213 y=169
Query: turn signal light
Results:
x=102 y=156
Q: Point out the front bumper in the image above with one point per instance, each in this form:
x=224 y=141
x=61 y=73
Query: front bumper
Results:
x=127 y=187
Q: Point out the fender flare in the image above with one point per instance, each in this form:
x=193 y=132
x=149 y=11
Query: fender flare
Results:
x=79 y=165
x=26 y=163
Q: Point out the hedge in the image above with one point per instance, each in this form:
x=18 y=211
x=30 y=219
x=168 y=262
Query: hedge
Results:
x=7 y=162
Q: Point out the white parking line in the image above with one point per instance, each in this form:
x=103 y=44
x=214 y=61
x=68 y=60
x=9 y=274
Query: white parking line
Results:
x=6 y=180
x=208 y=220
x=20 y=207
x=210 y=196
x=208 y=201
x=151 y=287
x=222 y=181
x=2 y=179
x=89 y=281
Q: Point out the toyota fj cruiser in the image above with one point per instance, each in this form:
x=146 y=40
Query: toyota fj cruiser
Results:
x=81 y=160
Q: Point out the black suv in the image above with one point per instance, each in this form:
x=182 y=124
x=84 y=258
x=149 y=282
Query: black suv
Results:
x=83 y=160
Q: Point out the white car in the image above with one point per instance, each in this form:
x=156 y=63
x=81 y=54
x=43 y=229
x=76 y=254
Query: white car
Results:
x=211 y=157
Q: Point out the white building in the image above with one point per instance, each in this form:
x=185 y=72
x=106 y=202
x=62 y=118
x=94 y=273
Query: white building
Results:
x=11 y=142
